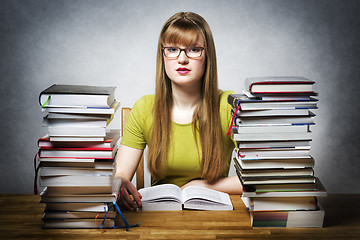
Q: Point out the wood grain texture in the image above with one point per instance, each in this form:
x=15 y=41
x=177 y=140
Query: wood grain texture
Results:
x=21 y=219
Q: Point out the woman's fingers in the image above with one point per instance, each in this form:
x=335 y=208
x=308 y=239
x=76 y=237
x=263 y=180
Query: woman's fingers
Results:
x=128 y=198
x=136 y=195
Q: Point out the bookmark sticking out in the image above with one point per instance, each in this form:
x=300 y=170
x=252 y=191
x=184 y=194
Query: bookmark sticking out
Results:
x=46 y=102
x=36 y=169
x=232 y=120
x=127 y=225
x=102 y=223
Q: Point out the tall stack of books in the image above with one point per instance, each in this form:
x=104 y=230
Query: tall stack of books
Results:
x=76 y=156
x=272 y=120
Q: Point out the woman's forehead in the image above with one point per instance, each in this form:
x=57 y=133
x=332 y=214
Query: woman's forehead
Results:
x=189 y=37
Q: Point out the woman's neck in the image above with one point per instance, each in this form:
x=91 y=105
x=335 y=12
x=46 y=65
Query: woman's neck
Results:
x=185 y=101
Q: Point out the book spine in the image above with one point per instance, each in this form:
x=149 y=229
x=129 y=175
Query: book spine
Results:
x=233 y=100
x=43 y=92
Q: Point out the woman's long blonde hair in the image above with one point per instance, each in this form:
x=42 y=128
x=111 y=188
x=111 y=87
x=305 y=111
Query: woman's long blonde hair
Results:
x=184 y=28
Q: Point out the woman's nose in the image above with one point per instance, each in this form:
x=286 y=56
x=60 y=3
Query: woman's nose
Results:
x=183 y=59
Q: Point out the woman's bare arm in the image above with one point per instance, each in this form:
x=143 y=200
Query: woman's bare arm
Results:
x=230 y=185
x=127 y=160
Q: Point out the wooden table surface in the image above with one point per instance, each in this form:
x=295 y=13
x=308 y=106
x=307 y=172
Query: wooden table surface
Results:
x=21 y=219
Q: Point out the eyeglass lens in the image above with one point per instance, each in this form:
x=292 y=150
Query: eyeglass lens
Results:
x=191 y=52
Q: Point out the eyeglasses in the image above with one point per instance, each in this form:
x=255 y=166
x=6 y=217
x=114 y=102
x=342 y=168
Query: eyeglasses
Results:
x=190 y=52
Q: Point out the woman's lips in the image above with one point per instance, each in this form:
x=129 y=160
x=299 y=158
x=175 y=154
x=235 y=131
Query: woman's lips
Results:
x=183 y=70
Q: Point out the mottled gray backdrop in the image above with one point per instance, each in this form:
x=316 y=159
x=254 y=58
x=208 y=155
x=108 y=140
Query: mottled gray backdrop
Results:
x=114 y=43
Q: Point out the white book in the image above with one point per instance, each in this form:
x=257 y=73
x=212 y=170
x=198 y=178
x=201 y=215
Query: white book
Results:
x=77 y=132
x=93 y=154
x=279 y=84
x=69 y=198
x=77 y=215
x=280 y=203
x=280 y=136
x=68 y=171
x=278 y=105
x=74 y=123
x=289 y=219
x=287 y=180
x=290 y=120
x=271 y=128
x=76 y=139
x=81 y=190
x=77 y=223
x=299 y=190
x=273 y=112
x=169 y=197
x=78 y=116
x=80 y=207
x=110 y=141
x=273 y=144
x=60 y=95
x=285 y=163
x=83 y=110
x=76 y=181
x=277 y=172
x=77 y=162
x=274 y=153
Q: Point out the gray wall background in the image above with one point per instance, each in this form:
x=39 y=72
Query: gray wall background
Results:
x=114 y=43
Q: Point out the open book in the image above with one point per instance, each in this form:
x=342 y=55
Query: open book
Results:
x=169 y=197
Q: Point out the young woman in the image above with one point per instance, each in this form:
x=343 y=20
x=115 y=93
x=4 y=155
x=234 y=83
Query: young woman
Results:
x=185 y=123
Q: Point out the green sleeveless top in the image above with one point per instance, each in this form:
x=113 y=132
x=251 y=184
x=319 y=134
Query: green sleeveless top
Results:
x=183 y=163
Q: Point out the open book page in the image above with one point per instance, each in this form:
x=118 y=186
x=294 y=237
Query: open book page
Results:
x=205 y=199
x=161 y=198
x=162 y=192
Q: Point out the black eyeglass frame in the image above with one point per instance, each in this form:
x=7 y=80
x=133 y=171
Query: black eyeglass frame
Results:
x=183 y=49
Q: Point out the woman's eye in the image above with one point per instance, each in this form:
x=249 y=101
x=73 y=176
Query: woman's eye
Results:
x=195 y=49
x=172 y=49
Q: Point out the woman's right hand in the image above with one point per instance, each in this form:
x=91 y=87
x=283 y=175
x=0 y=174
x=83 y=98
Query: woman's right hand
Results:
x=129 y=198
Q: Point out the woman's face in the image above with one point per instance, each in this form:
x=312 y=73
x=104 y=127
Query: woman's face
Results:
x=183 y=70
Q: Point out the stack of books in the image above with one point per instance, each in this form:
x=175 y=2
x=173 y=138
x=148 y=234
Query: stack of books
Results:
x=272 y=120
x=76 y=156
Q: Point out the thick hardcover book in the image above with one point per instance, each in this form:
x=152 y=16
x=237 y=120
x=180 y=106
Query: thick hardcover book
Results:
x=59 y=95
x=97 y=153
x=76 y=181
x=84 y=110
x=273 y=113
x=47 y=197
x=279 y=84
x=77 y=223
x=272 y=163
x=281 y=136
x=111 y=139
x=261 y=103
x=79 y=207
x=250 y=184
x=280 y=203
x=289 y=219
x=77 y=162
x=73 y=171
x=286 y=190
x=275 y=144
x=77 y=215
x=78 y=190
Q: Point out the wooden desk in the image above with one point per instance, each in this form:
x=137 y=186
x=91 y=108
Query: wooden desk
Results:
x=21 y=219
